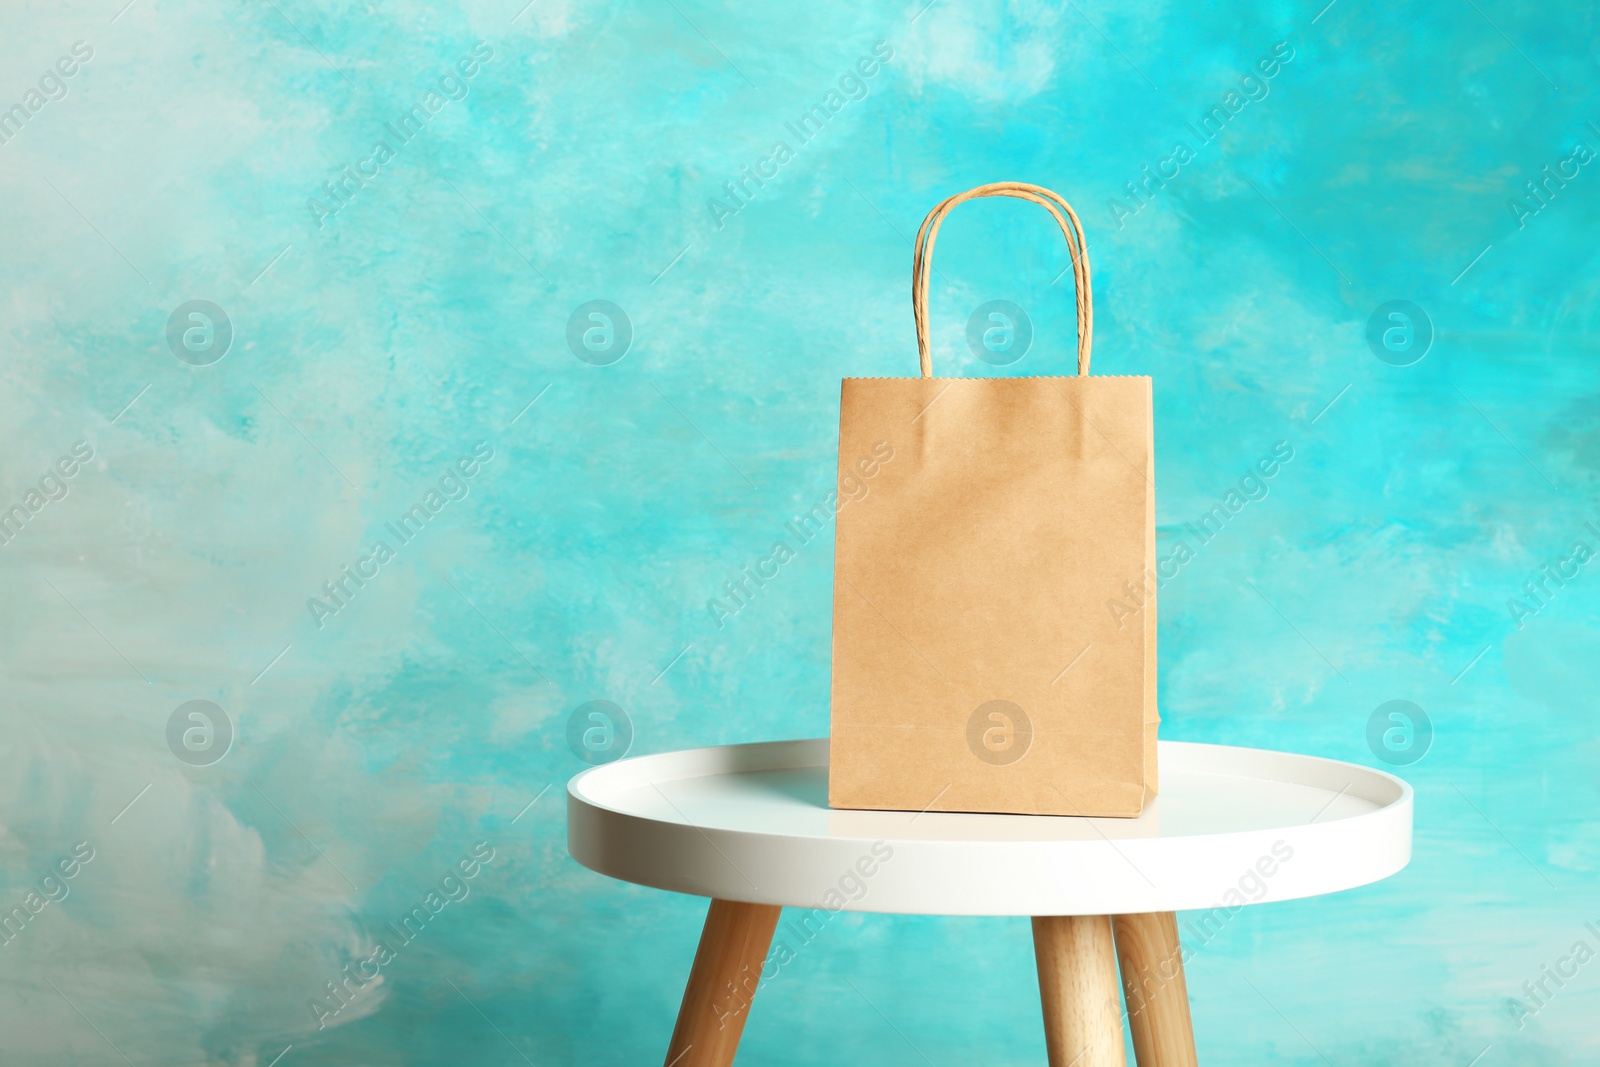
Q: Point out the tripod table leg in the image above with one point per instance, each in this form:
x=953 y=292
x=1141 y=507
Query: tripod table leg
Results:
x=722 y=983
x=1078 y=988
x=1158 y=996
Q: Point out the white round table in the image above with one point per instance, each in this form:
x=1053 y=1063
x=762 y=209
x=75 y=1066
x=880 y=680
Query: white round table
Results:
x=750 y=827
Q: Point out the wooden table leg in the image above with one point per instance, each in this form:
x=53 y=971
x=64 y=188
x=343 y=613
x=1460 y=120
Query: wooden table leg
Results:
x=1158 y=996
x=1078 y=987
x=722 y=983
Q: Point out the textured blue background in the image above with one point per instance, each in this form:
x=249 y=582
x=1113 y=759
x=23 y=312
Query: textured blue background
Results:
x=421 y=318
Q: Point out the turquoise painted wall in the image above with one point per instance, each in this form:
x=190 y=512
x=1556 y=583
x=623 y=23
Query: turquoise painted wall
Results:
x=383 y=330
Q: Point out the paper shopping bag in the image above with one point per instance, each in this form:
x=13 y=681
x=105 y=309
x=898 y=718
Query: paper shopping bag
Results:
x=994 y=620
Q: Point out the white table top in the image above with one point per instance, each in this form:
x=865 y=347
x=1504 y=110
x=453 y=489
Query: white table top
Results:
x=1231 y=826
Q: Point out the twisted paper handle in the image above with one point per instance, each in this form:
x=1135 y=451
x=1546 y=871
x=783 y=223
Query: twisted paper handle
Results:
x=1077 y=250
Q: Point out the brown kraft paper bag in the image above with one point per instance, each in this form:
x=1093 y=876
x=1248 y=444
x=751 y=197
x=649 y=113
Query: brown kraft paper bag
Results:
x=976 y=664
